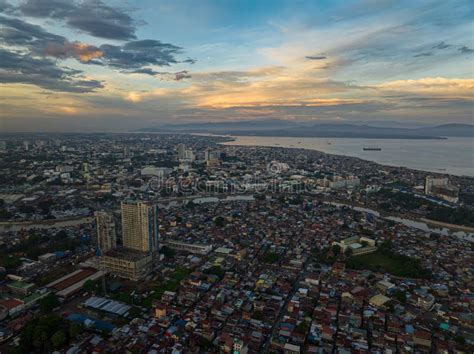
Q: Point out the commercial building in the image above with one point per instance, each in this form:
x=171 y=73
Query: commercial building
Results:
x=181 y=151
x=440 y=187
x=139 y=226
x=127 y=263
x=189 y=247
x=71 y=283
x=106 y=233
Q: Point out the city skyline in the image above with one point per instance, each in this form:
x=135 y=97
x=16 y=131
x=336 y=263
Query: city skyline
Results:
x=118 y=65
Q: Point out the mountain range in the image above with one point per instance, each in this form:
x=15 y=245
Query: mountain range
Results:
x=284 y=128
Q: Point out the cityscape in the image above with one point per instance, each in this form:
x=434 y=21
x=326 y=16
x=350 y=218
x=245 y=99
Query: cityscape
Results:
x=236 y=177
x=180 y=243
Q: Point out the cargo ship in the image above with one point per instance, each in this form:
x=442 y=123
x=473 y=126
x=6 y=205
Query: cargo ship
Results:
x=372 y=149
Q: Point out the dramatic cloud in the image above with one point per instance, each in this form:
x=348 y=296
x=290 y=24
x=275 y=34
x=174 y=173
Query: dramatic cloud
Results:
x=81 y=51
x=24 y=69
x=91 y=16
x=16 y=32
x=20 y=37
x=136 y=54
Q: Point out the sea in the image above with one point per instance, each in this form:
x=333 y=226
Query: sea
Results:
x=453 y=156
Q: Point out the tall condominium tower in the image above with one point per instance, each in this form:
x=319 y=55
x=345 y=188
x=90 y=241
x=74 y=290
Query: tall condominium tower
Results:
x=181 y=151
x=139 y=226
x=106 y=235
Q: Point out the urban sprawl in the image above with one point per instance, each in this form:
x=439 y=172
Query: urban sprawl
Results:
x=174 y=243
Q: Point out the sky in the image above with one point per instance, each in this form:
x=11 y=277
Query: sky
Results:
x=115 y=65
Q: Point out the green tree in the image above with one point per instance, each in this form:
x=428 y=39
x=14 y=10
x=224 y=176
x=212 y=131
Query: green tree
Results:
x=58 y=339
x=336 y=249
x=219 y=221
x=401 y=296
x=75 y=329
x=348 y=252
x=48 y=303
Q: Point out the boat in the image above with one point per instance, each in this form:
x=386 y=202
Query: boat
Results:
x=372 y=149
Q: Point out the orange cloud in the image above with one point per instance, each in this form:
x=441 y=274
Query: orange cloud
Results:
x=81 y=51
x=437 y=86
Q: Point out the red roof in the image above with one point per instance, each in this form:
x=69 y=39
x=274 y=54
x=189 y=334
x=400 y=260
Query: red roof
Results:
x=11 y=303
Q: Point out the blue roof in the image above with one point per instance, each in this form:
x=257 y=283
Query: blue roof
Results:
x=98 y=324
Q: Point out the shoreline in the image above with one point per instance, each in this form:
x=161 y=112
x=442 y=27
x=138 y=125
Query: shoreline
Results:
x=235 y=139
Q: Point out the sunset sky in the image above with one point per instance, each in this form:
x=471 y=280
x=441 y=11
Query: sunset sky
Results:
x=117 y=65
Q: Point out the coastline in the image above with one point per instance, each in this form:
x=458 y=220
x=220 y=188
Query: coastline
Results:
x=235 y=139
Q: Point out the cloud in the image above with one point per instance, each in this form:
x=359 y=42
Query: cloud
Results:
x=90 y=16
x=136 y=54
x=435 y=87
x=16 y=32
x=466 y=50
x=42 y=72
x=131 y=57
x=427 y=54
x=189 y=61
x=180 y=75
x=81 y=51
x=442 y=45
x=177 y=76
x=310 y=57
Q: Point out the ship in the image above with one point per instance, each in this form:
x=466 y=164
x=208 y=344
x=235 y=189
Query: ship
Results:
x=372 y=148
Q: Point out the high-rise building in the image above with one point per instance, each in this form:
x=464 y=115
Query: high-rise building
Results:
x=106 y=234
x=181 y=151
x=431 y=182
x=139 y=226
x=441 y=188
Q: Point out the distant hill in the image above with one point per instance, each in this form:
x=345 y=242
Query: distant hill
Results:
x=460 y=130
x=283 y=128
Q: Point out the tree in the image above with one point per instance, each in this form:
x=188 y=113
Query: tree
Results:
x=168 y=252
x=93 y=286
x=401 y=296
x=348 y=252
x=48 y=303
x=270 y=257
x=75 y=329
x=336 y=249
x=9 y=262
x=219 y=221
x=58 y=339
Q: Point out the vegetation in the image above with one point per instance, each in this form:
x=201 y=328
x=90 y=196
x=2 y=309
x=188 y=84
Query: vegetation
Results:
x=323 y=256
x=459 y=216
x=94 y=286
x=9 y=262
x=47 y=333
x=271 y=257
x=219 y=221
x=386 y=261
x=49 y=303
x=257 y=315
x=403 y=200
x=171 y=285
x=37 y=245
x=215 y=270
x=168 y=252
